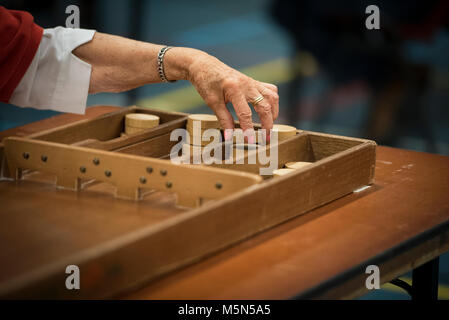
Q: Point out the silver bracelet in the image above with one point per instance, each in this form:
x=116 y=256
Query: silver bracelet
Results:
x=160 y=64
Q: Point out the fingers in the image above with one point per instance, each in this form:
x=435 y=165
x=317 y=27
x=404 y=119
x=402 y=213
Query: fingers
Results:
x=233 y=91
x=269 y=86
x=225 y=119
x=242 y=110
x=224 y=116
x=269 y=91
x=219 y=84
x=263 y=108
x=241 y=90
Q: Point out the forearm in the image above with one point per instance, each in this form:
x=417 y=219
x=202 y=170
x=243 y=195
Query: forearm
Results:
x=70 y=63
x=120 y=64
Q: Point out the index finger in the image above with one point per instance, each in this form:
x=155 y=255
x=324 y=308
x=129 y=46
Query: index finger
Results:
x=243 y=111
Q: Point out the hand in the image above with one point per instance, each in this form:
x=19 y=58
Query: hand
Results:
x=219 y=84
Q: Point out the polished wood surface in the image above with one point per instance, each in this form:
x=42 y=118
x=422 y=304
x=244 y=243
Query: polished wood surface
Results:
x=404 y=215
x=409 y=197
x=43 y=225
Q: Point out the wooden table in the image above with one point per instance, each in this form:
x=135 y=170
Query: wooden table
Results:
x=400 y=223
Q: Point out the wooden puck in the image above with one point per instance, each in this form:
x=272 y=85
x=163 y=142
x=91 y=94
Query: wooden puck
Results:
x=208 y=121
x=284 y=131
x=141 y=120
x=190 y=129
x=132 y=130
x=297 y=165
x=282 y=172
x=194 y=140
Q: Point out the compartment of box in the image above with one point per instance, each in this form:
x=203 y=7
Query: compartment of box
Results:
x=104 y=132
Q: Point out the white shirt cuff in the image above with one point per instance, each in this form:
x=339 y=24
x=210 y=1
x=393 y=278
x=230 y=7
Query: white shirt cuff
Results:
x=56 y=79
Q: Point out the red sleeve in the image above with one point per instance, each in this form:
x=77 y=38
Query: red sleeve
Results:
x=19 y=40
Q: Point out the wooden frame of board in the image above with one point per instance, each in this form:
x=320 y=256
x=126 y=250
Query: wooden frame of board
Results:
x=243 y=205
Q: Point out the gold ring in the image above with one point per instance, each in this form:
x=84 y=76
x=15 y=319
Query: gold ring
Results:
x=257 y=100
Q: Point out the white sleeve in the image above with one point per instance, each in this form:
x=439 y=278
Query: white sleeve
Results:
x=56 y=79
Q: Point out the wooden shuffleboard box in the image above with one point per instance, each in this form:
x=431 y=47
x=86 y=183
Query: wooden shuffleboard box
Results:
x=115 y=206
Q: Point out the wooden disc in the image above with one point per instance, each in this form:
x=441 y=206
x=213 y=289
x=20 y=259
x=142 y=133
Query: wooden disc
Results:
x=208 y=121
x=199 y=140
x=284 y=131
x=141 y=120
x=297 y=165
x=281 y=172
x=189 y=128
x=131 y=130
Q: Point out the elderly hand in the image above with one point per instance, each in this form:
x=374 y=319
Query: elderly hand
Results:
x=120 y=64
x=219 y=84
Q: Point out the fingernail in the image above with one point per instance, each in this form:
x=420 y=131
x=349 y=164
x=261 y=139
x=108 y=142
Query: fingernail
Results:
x=228 y=134
x=251 y=139
x=267 y=136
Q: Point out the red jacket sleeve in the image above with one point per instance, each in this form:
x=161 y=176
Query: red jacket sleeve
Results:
x=19 y=40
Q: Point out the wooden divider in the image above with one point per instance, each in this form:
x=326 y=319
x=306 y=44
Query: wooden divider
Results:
x=128 y=173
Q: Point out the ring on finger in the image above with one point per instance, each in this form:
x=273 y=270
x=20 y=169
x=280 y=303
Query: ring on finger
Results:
x=257 y=100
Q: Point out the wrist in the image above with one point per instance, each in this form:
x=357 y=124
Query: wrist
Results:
x=178 y=62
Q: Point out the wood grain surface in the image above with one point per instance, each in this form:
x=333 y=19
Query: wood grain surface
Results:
x=399 y=222
x=139 y=256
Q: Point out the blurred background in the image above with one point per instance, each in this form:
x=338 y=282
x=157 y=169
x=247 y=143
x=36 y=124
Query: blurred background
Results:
x=334 y=75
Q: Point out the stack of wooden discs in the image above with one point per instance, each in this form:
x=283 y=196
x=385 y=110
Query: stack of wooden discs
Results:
x=203 y=121
x=284 y=132
x=137 y=122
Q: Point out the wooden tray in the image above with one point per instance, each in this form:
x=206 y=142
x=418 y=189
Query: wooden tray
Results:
x=121 y=244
